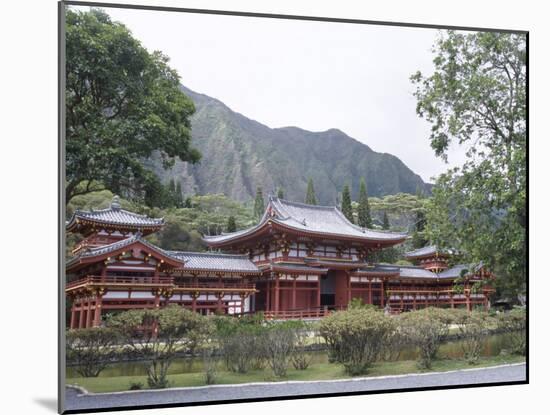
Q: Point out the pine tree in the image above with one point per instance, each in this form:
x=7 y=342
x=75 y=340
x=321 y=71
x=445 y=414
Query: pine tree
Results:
x=280 y=193
x=310 y=193
x=346 y=203
x=418 y=239
x=179 y=195
x=231 y=224
x=385 y=221
x=259 y=203
x=363 y=211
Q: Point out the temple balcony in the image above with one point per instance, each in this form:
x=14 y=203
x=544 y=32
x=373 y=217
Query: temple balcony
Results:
x=159 y=282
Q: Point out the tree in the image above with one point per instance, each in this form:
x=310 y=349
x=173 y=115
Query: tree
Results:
x=346 y=203
x=122 y=104
x=231 y=224
x=280 y=193
x=311 y=199
x=91 y=349
x=385 y=221
x=426 y=329
x=418 y=238
x=158 y=335
x=259 y=207
x=476 y=96
x=178 y=195
x=356 y=337
x=514 y=323
x=363 y=210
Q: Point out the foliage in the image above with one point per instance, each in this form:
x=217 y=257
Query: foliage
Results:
x=385 y=221
x=280 y=345
x=280 y=193
x=91 y=349
x=477 y=97
x=259 y=206
x=363 y=209
x=346 y=204
x=231 y=224
x=514 y=323
x=135 y=386
x=242 y=342
x=425 y=329
x=356 y=337
x=472 y=326
x=301 y=359
x=357 y=302
x=157 y=336
x=122 y=104
x=311 y=199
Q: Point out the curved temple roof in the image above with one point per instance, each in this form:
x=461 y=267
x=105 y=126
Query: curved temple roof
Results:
x=114 y=215
x=426 y=252
x=324 y=220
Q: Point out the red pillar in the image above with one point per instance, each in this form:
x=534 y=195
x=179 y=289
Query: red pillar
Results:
x=89 y=315
x=318 y=291
x=193 y=302
x=104 y=273
x=73 y=315
x=369 y=292
x=382 y=293
x=81 y=315
x=349 y=289
x=294 y=292
x=268 y=296
x=97 y=311
x=276 y=308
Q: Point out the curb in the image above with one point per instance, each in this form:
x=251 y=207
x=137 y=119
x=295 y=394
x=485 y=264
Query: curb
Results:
x=84 y=392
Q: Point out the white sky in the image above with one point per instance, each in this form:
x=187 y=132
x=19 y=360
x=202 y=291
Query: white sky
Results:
x=313 y=75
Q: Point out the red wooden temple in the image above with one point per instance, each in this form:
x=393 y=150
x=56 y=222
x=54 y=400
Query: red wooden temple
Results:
x=299 y=261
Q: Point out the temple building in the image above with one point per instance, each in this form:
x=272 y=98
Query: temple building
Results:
x=299 y=261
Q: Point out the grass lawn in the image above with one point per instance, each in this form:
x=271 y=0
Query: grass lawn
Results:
x=321 y=371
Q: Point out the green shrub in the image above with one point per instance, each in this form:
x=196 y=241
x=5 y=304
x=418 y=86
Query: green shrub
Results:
x=91 y=349
x=135 y=386
x=177 y=331
x=514 y=323
x=356 y=337
x=425 y=329
x=280 y=345
x=473 y=326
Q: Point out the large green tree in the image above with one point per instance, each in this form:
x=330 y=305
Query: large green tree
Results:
x=122 y=104
x=363 y=210
x=259 y=206
x=311 y=199
x=476 y=96
x=346 y=203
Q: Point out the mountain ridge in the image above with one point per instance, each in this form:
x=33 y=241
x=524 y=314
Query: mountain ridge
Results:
x=240 y=154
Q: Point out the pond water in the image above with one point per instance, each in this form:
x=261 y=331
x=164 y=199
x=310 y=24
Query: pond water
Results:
x=492 y=346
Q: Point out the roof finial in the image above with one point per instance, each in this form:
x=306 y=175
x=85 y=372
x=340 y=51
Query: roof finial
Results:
x=115 y=204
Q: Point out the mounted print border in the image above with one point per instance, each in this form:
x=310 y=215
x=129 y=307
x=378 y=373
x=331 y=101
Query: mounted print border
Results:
x=203 y=251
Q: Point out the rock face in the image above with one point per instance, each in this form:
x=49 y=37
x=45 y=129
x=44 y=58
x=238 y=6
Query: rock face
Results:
x=240 y=154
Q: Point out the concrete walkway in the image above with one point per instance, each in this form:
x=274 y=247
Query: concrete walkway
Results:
x=76 y=399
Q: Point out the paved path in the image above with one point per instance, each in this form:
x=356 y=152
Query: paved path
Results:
x=507 y=373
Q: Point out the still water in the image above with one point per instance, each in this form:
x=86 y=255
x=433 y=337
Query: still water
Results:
x=492 y=346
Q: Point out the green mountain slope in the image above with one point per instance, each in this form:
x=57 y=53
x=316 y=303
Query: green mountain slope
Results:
x=240 y=154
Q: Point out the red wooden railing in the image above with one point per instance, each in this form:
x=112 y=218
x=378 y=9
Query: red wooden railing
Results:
x=161 y=281
x=317 y=312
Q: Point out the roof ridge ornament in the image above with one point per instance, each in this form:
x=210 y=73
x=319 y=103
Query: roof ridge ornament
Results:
x=115 y=203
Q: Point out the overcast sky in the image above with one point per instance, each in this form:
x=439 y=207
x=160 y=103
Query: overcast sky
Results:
x=312 y=75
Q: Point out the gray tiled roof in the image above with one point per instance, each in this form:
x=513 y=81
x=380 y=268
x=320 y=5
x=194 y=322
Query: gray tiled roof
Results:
x=105 y=249
x=215 y=261
x=454 y=272
x=115 y=215
x=416 y=272
x=326 y=220
x=427 y=250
